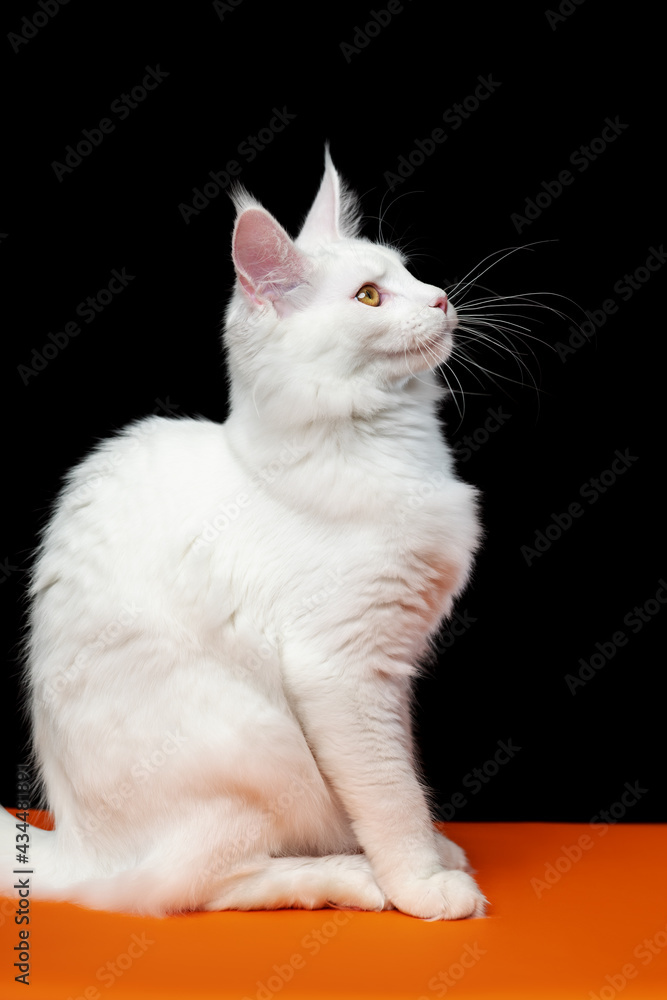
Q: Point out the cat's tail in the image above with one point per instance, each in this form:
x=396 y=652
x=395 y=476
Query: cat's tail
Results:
x=49 y=870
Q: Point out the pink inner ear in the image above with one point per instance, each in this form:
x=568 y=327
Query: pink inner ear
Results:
x=267 y=262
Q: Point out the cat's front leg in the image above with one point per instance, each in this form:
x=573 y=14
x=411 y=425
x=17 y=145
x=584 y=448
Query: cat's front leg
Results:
x=451 y=855
x=358 y=731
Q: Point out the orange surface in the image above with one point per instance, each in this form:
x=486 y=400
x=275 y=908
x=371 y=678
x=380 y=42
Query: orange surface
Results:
x=577 y=911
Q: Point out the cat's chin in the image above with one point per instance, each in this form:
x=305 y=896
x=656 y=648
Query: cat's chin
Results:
x=424 y=356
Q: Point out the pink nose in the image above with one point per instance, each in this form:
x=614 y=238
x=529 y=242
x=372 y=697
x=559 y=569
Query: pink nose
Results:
x=441 y=303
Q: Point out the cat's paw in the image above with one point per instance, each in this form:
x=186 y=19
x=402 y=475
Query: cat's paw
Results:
x=451 y=855
x=358 y=891
x=447 y=895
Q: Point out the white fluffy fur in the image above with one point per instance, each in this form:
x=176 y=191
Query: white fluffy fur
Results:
x=226 y=619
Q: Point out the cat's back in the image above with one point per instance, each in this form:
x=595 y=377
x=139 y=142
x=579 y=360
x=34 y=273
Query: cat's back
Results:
x=144 y=490
x=149 y=467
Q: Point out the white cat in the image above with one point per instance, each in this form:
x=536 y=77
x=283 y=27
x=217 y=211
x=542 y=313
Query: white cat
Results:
x=227 y=619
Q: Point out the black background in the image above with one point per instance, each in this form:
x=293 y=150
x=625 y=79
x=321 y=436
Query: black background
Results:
x=157 y=344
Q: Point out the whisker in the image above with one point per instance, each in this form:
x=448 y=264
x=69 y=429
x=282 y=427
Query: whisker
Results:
x=521 y=299
x=506 y=252
x=444 y=370
x=381 y=217
x=495 y=324
x=489 y=373
x=476 y=336
x=500 y=324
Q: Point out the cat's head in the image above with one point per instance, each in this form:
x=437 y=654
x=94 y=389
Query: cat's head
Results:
x=328 y=323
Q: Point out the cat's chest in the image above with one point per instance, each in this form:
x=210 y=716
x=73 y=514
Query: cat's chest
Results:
x=391 y=497
x=374 y=483
x=379 y=534
x=397 y=544
x=376 y=586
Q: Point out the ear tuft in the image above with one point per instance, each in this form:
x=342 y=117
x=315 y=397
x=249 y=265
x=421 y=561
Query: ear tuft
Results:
x=349 y=207
x=335 y=214
x=241 y=198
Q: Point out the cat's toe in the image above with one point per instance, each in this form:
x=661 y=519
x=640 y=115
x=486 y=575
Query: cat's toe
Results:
x=447 y=895
x=353 y=886
x=367 y=896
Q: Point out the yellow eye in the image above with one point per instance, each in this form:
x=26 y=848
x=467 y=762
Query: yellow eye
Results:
x=369 y=295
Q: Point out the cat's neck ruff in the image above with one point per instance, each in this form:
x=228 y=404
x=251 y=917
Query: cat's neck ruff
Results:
x=359 y=466
x=397 y=417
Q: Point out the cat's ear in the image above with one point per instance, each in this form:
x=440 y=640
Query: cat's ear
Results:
x=334 y=214
x=268 y=265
